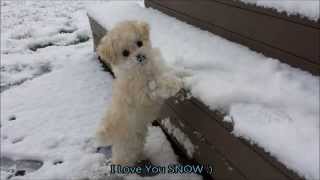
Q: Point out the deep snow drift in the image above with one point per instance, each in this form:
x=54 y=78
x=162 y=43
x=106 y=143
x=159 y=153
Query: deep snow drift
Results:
x=272 y=104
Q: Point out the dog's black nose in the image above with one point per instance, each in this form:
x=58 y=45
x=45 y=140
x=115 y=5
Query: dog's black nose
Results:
x=140 y=58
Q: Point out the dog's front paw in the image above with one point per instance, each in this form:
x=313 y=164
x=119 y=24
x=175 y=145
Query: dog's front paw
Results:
x=178 y=85
x=152 y=85
x=169 y=85
x=174 y=85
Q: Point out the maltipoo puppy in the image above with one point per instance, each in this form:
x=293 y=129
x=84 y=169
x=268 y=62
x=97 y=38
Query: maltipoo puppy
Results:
x=142 y=83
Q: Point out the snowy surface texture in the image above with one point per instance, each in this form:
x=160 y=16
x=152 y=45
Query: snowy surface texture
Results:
x=180 y=136
x=54 y=93
x=305 y=8
x=272 y=104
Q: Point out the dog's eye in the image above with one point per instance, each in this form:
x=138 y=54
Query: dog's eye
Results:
x=125 y=53
x=139 y=43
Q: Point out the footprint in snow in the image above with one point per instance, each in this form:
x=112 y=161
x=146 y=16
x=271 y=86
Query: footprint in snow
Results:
x=106 y=151
x=57 y=162
x=17 y=140
x=18 y=167
x=12 y=118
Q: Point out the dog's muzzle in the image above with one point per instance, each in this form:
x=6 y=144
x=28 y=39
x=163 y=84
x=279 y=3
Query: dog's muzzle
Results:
x=141 y=58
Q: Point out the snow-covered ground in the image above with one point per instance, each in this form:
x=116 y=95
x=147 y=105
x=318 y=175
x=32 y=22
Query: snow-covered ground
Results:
x=305 y=8
x=54 y=93
x=272 y=104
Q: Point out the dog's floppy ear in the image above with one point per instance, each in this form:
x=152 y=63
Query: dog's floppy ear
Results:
x=144 y=29
x=105 y=50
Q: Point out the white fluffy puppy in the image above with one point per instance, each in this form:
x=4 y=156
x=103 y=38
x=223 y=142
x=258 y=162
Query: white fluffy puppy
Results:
x=142 y=84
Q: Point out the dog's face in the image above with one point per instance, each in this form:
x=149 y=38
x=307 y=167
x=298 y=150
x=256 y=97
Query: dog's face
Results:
x=127 y=43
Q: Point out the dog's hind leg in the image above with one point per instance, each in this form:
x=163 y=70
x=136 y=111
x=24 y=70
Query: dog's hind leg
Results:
x=113 y=126
x=128 y=151
x=102 y=138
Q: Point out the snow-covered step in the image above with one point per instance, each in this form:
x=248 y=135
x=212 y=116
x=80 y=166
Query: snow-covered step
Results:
x=292 y=39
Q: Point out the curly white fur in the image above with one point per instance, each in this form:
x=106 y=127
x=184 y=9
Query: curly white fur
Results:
x=139 y=90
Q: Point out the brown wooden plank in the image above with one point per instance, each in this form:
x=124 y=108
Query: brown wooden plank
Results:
x=272 y=12
x=217 y=115
x=98 y=31
x=265 y=155
x=179 y=151
x=248 y=161
x=293 y=43
x=206 y=154
x=294 y=38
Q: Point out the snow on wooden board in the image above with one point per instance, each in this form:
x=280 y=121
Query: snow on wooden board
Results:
x=272 y=104
x=54 y=94
x=305 y=8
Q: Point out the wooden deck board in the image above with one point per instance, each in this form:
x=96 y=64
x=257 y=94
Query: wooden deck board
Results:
x=98 y=31
x=272 y=12
x=292 y=40
x=241 y=156
x=222 y=168
x=216 y=115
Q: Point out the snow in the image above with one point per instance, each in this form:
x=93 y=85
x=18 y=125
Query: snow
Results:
x=249 y=119
x=270 y=103
x=309 y=9
x=54 y=94
x=180 y=136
